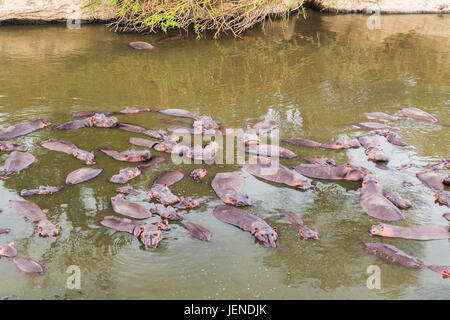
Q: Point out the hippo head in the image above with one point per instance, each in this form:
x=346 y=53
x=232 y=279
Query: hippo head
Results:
x=381 y=230
x=164 y=224
x=267 y=236
x=169 y=212
x=149 y=235
x=306 y=234
x=238 y=199
x=353 y=143
x=8 y=250
x=371 y=184
x=354 y=173
x=48 y=229
x=87 y=157
x=45 y=123
x=301 y=184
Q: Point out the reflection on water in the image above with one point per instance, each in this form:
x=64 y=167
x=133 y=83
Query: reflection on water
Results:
x=314 y=76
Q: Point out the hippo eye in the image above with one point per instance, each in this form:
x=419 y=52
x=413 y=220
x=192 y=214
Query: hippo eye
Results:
x=169 y=216
x=364 y=183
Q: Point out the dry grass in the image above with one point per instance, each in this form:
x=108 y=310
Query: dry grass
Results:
x=222 y=16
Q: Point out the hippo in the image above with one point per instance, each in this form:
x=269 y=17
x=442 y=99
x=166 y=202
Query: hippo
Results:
x=75 y=124
x=132 y=110
x=393 y=254
x=128 y=155
x=22 y=129
x=443 y=164
x=129 y=209
x=205 y=123
x=175 y=37
x=17 y=162
x=374 y=203
x=5 y=230
x=303 y=230
x=125 y=175
x=98 y=120
x=392 y=137
x=199 y=130
x=270 y=151
x=69 y=148
x=198 y=174
x=341 y=144
x=321 y=161
x=164 y=225
x=168 y=212
x=154 y=161
x=170 y=146
x=380 y=116
x=82 y=175
x=149 y=234
x=88 y=114
x=199 y=232
x=397 y=200
x=264 y=126
x=208 y=153
x=346 y=171
x=373 y=149
x=158 y=134
x=28 y=265
x=418 y=114
x=179 y=113
x=443 y=197
x=131 y=128
x=446 y=181
x=163 y=194
x=414 y=233
x=127 y=190
x=8 y=147
x=302 y=142
x=405 y=166
x=431 y=179
x=444 y=271
x=141 y=45
x=447 y=216
x=31 y=211
x=275 y=172
x=228 y=187
x=8 y=250
x=373 y=126
x=169 y=178
x=189 y=203
x=259 y=228
x=42 y=190
x=141 y=142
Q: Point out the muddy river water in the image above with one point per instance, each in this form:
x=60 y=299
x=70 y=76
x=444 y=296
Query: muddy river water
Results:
x=315 y=77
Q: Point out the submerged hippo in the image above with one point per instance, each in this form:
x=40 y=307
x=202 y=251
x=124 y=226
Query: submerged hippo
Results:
x=199 y=232
x=417 y=114
x=8 y=147
x=42 y=190
x=162 y=194
x=5 y=230
x=264 y=126
x=69 y=148
x=141 y=45
x=198 y=174
x=127 y=190
x=8 y=250
x=128 y=155
x=397 y=200
x=179 y=113
x=82 y=175
x=141 y=142
x=25 y=265
x=175 y=37
x=393 y=254
x=392 y=137
x=129 y=209
x=341 y=144
x=380 y=116
x=443 y=164
x=303 y=230
x=443 y=197
x=228 y=187
x=131 y=127
x=431 y=179
x=17 y=162
x=302 y=142
x=169 y=178
x=154 y=161
x=273 y=171
x=447 y=216
x=31 y=211
x=23 y=129
x=98 y=120
x=347 y=171
x=321 y=161
x=88 y=114
x=374 y=203
x=413 y=233
x=248 y=222
x=125 y=175
x=373 y=126
x=133 y=110
x=270 y=151
x=149 y=234
x=189 y=203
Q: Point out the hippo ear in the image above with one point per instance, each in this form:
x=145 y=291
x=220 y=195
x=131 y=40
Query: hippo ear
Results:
x=141 y=229
x=11 y=244
x=275 y=229
x=255 y=230
x=58 y=227
x=40 y=228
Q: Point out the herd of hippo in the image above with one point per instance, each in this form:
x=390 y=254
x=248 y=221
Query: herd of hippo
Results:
x=383 y=206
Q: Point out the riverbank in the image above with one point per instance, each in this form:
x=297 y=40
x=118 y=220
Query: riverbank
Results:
x=38 y=11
